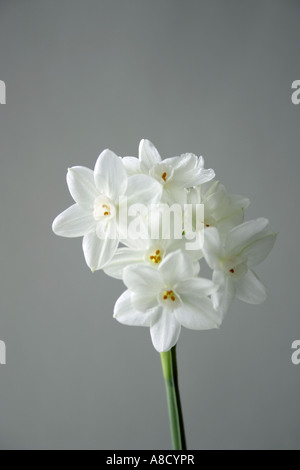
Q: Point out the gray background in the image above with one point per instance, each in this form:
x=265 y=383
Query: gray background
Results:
x=211 y=77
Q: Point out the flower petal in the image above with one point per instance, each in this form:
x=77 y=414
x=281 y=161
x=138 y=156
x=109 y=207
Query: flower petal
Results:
x=148 y=155
x=74 y=222
x=185 y=163
x=246 y=233
x=143 y=189
x=123 y=257
x=131 y=165
x=231 y=220
x=198 y=314
x=176 y=267
x=212 y=248
x=173 y=194
x=165 y=331
x=200 y=287
x=142 y=278
x=110 y=175
x=239 y=201
x=250 y=289
x=82 y=186
x=144 y=301
x=258 y=250
x=203 y=176
x=223 y=298
x=98 y=252
x=126 y=314
x=188 y=172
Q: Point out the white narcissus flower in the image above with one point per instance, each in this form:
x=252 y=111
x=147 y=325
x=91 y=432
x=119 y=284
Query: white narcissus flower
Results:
x=174 y=174
x=148 y=250
x=221 y=210
x=97 y=195
x=232 y=257
x=159 y=267
x=165 y=299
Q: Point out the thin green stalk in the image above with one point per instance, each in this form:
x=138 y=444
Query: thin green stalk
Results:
x=169 y=367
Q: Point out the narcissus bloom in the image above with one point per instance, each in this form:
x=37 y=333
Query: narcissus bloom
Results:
x=232 y=258
x=98 y=195
x=221 y=210
x=162 y=271
x=167 y=298
x=149 y=250
x=174 y=174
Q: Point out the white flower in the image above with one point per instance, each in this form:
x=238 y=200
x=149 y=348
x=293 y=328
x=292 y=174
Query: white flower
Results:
x=97 y=196
x=148 y=250
x=232 y=256
x=165 y=299
x=173 y=174
x=221 y=210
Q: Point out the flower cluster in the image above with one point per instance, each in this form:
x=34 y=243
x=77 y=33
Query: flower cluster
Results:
x=164 y=289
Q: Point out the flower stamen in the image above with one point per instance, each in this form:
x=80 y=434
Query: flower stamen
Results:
x=155 y=258
x=164 y=176
x=169 y=294
x=103 y=208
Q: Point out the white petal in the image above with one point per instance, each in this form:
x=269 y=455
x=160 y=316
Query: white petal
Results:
x=144 y=301
x=203 y=176
x=223 y=298
x=250 y=289
x=124 y=257
x=98 y=252
x=230 y=221
x=246 y=233
x=240 y=201
x=198 y=315
x=257 y=251
x=187 y=172
x=212 y=248
x=74 y=222
x=186 y=162
x=148 y=155
x=196 y=286
x=165 y=331
x=81 y=185
x=173 y=194
x=110 y=175
x=131 y=165
x=142 y=278
x=201 y=162
x=175 y=268
x=143 y=189
x=126 y=314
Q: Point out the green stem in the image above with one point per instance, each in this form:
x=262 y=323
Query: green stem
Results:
x=169 y=367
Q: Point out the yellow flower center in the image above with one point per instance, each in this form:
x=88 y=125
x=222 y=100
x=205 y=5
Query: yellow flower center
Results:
x=103 y=208
x=156 y=258
x=169 y=294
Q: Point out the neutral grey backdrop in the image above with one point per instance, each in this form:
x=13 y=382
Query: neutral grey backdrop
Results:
x=206 y=76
